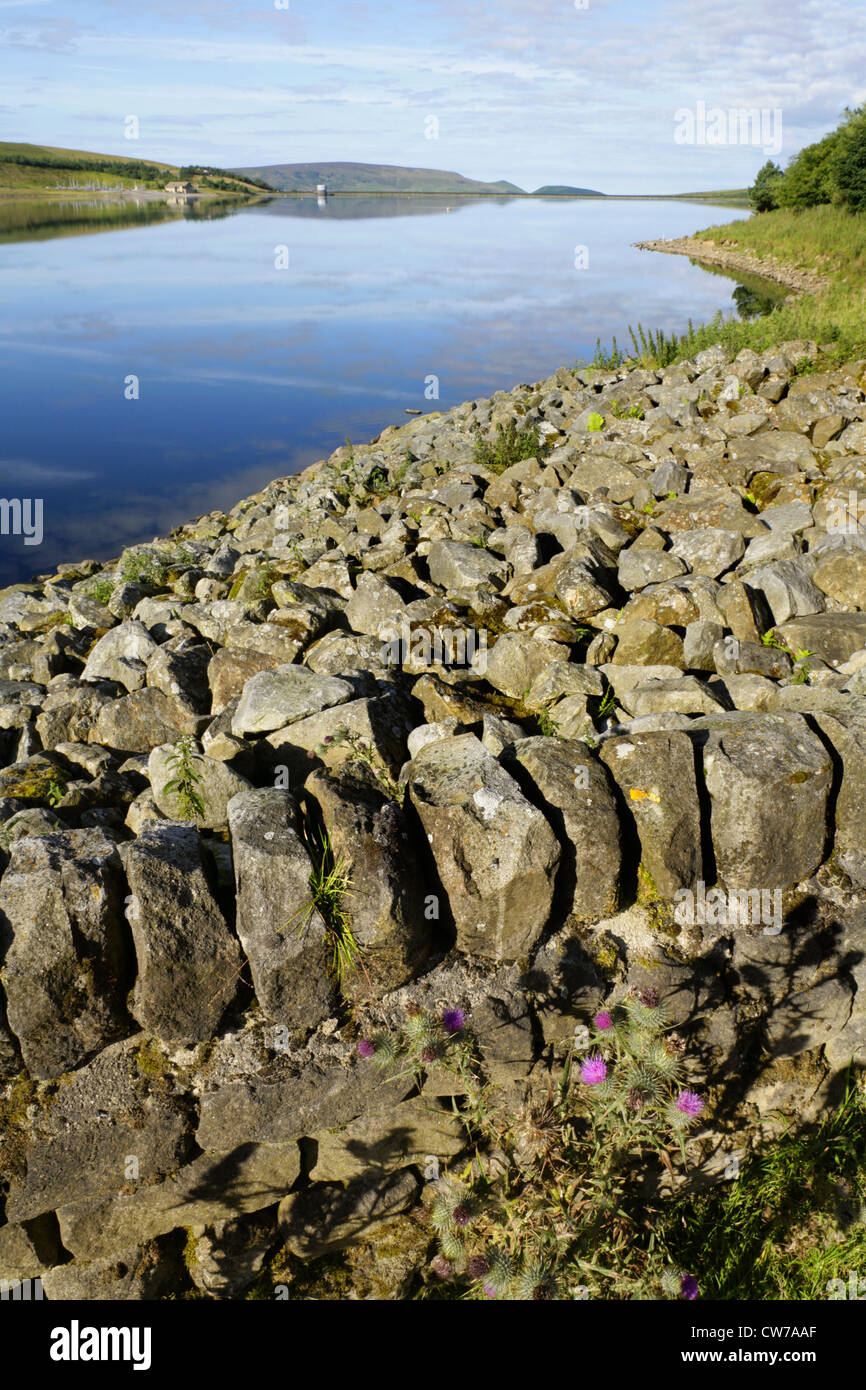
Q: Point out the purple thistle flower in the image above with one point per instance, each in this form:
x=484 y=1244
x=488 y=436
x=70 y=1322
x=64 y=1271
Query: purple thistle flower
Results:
x=429 y=1054
x=329 y=738
x=689 y=1286
x=366 y=1048
x=453 y=1020
x=460 y=1215
x=489 y=1290
x=593 y=1070
x=690 y=1103
x=443 y=1267
x=603 y=1021
x=477 y=1267
x=649 y=998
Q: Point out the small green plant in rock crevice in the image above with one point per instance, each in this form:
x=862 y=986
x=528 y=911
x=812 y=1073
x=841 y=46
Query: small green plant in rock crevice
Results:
x=100 y=589
x=186 y=783
x=330 y=881
x=546 y=725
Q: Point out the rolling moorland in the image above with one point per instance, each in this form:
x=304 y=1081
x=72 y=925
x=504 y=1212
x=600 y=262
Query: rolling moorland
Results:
x=41 y=170
x=28 y=171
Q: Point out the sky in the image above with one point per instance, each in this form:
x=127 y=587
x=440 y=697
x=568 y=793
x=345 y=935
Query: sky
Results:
x=605 y=94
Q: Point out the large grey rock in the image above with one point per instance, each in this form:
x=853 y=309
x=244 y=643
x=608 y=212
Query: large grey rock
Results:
x=30 y=607
x=579 y=800
x=225 y=1257
x=842 y=575
x=559 y=678
x=639 y=567
x=642 y=642
x=370 y=838
x=68 y=958
x=121 y=655
x=213 y=1186
x=495 y=853
x=188 y=960
x=283 y=935
x=455 y=565
x=834 y=637
x=229 y=670
x=289 y=1098
x=180 y=672
x=685 y=695
x=407 y=1134
x=700 y=638
x=140 y=721
x=845 y=732
x=735 y=658
x=582 y=589
x=139 y=1272
x=28 y=1248
x=769 y=778
x=710 y=550
x=809 y=1019
x=516 y=660
x=273 y=699
x=655 y=773
x=788 y=590
x=83 y=1137
x=376 y=607
x=329 y=1216
x=781 y=451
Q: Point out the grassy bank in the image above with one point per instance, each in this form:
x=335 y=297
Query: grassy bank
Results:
x=791 y=1221
x=825 y=239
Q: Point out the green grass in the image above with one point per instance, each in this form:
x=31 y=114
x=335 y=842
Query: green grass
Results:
x=793 y=1219
x=330 y=881
x=826 y=240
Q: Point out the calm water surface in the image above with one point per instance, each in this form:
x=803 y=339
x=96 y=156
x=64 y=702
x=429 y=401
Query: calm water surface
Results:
x=247 y=371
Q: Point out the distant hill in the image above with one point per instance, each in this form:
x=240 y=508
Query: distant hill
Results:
x=564 y=190
x=370 y=178
x=48 y=168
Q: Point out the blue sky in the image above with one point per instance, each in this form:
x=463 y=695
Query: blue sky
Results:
x=535 y=91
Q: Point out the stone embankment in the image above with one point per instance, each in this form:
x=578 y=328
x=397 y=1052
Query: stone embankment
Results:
x=730 y=256
x=590 y=720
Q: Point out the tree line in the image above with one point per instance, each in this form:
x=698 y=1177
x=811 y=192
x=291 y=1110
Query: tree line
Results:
x=191 y=171
x=833 y=170
x=128 y=168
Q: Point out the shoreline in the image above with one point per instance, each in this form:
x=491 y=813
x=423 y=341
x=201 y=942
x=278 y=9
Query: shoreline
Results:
x=798 y=281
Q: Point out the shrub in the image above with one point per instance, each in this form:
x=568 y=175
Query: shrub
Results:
x=509 y=445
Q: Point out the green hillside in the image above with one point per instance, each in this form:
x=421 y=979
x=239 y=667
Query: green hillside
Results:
x=564 y=190
x=347 y=177
x=32 y=169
